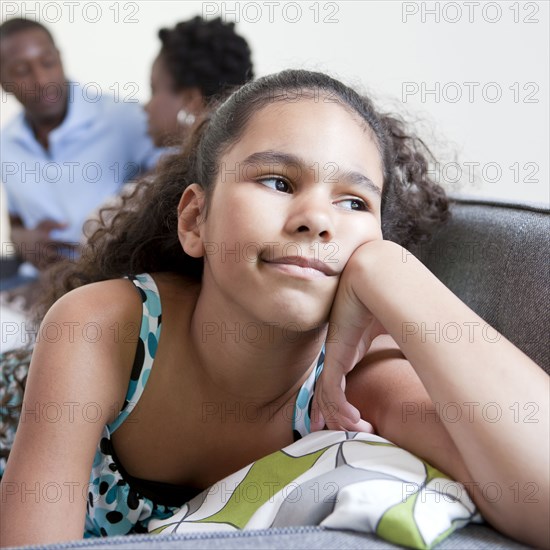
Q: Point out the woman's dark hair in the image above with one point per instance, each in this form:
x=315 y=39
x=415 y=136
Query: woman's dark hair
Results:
x=142 y=235
x=208 y=55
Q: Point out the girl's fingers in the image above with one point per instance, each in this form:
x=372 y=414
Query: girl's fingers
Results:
x=361 y=426
x=331 y=408
x=326 y=404
x=317 y=420
x=337 y=411
x=344 y=412
x=356 y=328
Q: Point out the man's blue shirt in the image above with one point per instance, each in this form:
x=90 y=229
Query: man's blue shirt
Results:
x=100 y=144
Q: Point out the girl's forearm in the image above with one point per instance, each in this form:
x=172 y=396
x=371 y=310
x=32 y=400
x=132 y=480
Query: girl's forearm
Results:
x=455 y=352
x=492 y=399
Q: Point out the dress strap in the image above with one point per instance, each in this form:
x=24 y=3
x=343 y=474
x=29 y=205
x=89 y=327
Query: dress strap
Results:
x=146 y=346
x=301 y=422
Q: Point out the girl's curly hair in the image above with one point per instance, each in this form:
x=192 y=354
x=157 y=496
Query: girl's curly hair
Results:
x=141 y=236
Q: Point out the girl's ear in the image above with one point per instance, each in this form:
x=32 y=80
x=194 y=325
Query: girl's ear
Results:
x=190 y=210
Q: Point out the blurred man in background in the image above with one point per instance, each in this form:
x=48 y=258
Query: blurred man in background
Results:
x=70 y=148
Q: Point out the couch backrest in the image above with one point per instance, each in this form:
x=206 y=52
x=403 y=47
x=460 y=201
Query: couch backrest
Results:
x=496 y=259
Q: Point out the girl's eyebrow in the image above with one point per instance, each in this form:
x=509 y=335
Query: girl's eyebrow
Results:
x=356 y=178
x=278 y=158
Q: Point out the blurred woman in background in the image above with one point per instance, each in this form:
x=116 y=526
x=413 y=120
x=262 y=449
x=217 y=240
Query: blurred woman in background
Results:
x=198 y=61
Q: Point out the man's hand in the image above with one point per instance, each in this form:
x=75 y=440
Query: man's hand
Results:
x=36 y=245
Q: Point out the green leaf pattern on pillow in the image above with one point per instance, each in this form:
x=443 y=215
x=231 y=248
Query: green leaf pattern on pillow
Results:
x=339 y=480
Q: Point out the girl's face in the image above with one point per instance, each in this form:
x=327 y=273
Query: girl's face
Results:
x=294 y=198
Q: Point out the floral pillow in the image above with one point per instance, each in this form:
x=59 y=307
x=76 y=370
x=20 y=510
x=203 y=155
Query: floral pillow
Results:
x=339 y=480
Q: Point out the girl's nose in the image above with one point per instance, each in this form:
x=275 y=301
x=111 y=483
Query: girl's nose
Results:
x=312 y=215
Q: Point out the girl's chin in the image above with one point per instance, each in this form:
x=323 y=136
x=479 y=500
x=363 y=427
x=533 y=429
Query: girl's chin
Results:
x=297 y=322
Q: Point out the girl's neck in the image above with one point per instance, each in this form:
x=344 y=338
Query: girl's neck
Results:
x=247 y=359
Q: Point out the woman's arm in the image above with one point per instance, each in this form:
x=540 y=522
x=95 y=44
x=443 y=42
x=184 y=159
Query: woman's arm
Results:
x=473 y=420
x=77 y=375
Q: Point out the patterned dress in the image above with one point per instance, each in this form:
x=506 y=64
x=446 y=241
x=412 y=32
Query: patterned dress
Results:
x=119 y=503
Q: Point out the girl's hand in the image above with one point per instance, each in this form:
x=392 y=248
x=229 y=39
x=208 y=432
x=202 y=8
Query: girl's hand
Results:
x=354 y=328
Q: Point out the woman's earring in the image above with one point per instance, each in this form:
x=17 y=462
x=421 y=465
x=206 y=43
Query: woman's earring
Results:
x=184 y=118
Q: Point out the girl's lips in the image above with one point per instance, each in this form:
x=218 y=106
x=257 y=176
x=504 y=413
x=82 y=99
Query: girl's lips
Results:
x=299 y=265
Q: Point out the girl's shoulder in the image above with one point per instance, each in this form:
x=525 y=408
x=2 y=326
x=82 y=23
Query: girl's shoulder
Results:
x=118 y=296
x=106 y=310
x=96 y=302
x=84 y=330
x=103 y=309
x=79 y=373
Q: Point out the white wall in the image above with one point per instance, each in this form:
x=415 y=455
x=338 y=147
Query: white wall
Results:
x=397 y=50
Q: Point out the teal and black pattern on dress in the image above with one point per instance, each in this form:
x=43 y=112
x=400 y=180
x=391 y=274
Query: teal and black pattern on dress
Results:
x=301 y=422
x=114 y=507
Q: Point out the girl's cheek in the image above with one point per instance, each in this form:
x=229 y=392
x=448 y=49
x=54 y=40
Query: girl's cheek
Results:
x=374 y=233
x=377 y=229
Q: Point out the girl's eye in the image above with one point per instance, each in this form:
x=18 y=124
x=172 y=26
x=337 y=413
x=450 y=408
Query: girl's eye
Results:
x=278 y=184
x=354 y=204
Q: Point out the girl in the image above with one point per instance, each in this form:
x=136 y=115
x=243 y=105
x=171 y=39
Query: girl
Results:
x=273 y=219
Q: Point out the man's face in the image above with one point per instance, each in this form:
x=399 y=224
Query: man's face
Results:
x=31 y=69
